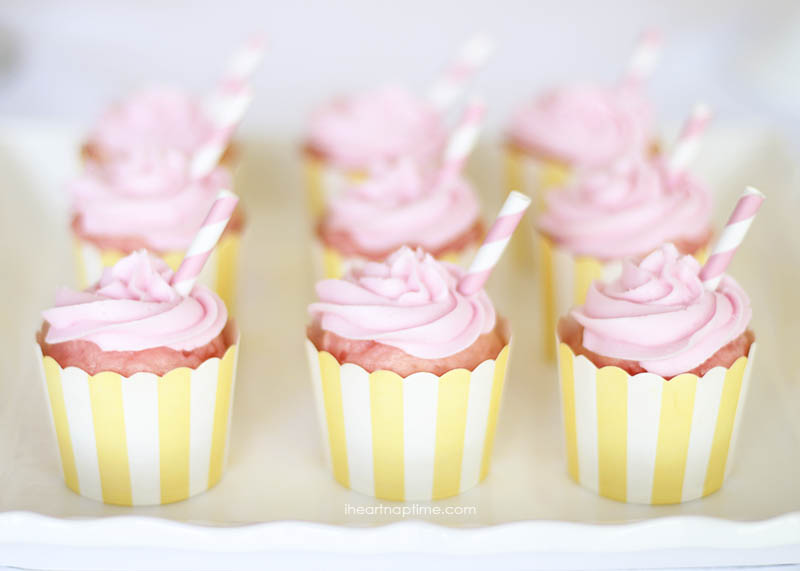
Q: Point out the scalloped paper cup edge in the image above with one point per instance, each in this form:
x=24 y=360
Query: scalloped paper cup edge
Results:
x=643 y=439
x=421 y=437
x=144 y=439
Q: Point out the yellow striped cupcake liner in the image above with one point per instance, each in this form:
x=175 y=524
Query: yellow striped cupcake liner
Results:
x=325 y=181
x=329 y=263
x=421 y=437
x=219 y=273
x=642 y=439
x=144 y=439
x=564 y=282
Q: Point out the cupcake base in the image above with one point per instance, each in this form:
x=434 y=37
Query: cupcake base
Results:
x=644 y=439
x=420 y=437
x=144 y=439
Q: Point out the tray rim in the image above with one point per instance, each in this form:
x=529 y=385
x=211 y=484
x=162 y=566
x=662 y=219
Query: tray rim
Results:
x=409 y=536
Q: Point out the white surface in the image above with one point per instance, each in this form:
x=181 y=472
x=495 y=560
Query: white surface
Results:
x=277 y=471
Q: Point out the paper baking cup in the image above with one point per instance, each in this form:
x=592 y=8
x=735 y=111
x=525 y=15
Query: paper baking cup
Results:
x=421 y=437
x=219 y=272
x=642 y=439
x=144 y=439
x=324 y=181
x=565 y=280
x=329 y=263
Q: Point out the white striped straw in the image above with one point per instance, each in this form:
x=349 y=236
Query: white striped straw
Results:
x=227 y=104
x=644 y=58
x=688 y=143
x=472 y=56
x=462 y=140
x=496 y=240
x=731 y=237
x=204 y=241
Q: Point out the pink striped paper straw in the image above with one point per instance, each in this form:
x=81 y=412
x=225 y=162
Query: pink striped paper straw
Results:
x=462 y=141
x=204 y=242
x=227 y=104
x=451 y=83
x=688 y=143
x=644 y=58
x=731 y=237
x=495 y=243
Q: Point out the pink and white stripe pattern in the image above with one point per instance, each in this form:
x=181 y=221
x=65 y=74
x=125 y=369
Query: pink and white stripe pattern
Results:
x=731 y=237
x=451 y=83
x=688 y=143
x=227 y=104
x=495 y=243
x=204 y=242
x=462 y=140
x=644 y=58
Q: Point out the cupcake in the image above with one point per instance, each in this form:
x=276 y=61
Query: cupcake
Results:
x=140 y=383
x=408 y=375
x=399 y=205
x=150 y=201
x=349 y=135
x=155 y=119
x=628 y=209
x=654 y=373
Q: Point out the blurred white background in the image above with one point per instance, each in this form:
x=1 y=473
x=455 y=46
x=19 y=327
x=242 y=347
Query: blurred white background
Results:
x=66 y=60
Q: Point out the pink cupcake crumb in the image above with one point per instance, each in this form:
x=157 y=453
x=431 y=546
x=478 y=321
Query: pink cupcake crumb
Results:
x=90 y=358
x=373 y=356
x=571 y=333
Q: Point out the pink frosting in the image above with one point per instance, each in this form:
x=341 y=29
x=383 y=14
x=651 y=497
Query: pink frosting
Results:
x=133 y=307
x=410 y=302
x=659 y=314
x=377 y=126
x=156 y=118
x=149 y=195
x=399 y=205
x=628 y=209
x=584 y=125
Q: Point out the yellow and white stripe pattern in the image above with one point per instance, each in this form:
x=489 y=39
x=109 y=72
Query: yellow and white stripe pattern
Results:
x=324 y=181
x=646 y=440
x=143 y=439
x=565 y=280
x=329 y=263
x=421 y=437
x=219 y=273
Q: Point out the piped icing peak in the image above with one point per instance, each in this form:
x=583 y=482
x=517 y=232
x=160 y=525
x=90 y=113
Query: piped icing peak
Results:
x=149 y=195
x=627 y=209
x=659 y=314
x=376 y=126
x=585 y=125
x=133 y=307
x=410 y=302
x=154 y=118
x=400 y=204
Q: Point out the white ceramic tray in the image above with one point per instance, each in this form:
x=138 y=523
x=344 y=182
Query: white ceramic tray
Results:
x=277 y=501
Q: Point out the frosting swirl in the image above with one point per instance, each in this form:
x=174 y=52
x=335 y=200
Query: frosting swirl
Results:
x=155 y=118
x=376 y=126
x=133 y=307
x=410 y=302
x=627 y=209
x=149 y=195
x=659 y=314
x=400 y=205
x=584 y=125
